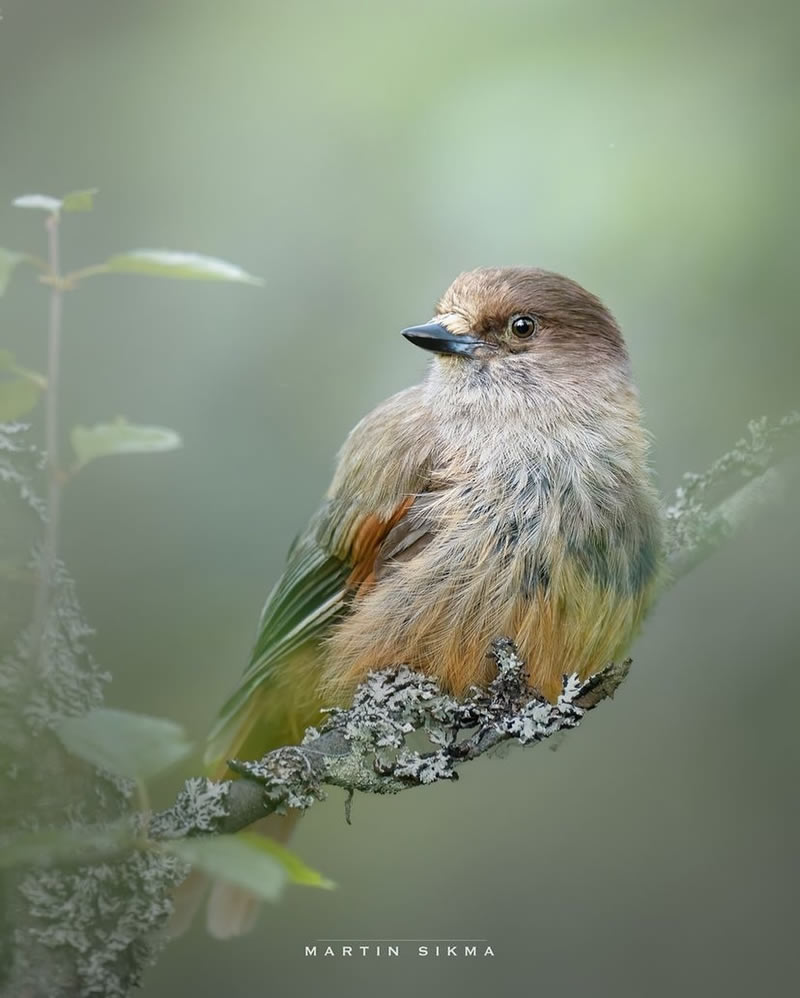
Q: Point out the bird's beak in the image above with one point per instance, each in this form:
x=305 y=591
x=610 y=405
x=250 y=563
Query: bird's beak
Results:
x=434 y=336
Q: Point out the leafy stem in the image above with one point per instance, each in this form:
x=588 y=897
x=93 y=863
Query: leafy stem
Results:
x=54 y=478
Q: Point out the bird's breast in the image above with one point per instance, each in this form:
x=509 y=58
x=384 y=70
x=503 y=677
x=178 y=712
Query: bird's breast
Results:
x=524 y=539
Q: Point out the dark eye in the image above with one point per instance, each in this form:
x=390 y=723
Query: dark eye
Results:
x=523 y=326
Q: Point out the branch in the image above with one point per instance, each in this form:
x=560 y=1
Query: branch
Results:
x=365 y=747
x=696 y=531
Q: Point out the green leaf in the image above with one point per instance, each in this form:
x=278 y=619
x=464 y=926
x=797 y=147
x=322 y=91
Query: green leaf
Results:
x=54 y=846
x=8 y=263
x=248 y=860
x=131 y=745
x=185 y=266
x=79 y=200
x=8 y=362
x=296 y=869
x=238 y=859
x=17 y=396
x=42 y=202
x=121 y=437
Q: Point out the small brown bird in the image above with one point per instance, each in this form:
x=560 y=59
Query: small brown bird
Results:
x=508 y=494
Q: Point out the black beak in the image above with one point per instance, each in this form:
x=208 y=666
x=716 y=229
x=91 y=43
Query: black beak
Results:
x=433 y=336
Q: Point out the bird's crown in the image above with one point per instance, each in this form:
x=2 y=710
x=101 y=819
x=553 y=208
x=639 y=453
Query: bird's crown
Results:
x=515 y=307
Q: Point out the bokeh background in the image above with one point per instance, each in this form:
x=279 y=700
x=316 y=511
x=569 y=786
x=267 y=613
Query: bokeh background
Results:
x=358 y=155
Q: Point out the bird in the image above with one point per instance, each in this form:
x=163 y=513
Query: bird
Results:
x=508 y=494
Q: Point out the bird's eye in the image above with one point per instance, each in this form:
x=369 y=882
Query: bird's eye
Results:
x=523 y=326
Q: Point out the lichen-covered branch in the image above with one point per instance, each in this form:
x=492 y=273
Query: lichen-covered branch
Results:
x=91 y=923
x=365 y=747
x=696 y=526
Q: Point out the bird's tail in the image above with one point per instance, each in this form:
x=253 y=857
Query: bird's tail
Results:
x=230 y=911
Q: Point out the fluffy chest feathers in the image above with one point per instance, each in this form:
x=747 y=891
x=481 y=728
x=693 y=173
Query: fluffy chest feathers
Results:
x=553 y=472
x=543 y=528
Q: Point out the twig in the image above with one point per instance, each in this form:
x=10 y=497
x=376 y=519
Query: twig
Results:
x=696 y=530
x=728 y=518
x=49 y=553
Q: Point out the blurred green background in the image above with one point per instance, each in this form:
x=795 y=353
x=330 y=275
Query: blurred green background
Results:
x=358 y=155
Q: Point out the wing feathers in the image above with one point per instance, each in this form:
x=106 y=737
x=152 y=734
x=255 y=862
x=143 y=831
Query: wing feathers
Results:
x=384 y=465
x=315 y=588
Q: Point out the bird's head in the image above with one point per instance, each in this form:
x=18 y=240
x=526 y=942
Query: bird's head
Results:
x=514 y=319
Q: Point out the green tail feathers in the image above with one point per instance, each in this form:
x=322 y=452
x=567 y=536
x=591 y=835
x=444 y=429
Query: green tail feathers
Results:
x=266 y=715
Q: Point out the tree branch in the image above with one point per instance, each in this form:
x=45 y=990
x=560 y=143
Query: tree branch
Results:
x=695 y=529
x=365 y=747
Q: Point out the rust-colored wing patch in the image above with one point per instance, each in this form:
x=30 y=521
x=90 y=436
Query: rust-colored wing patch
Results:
x=368 y=536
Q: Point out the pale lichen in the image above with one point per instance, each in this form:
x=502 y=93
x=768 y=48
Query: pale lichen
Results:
x=693 y=523
x=365 y=746
x=105 y=916
x=78 y=930
x=198 y=809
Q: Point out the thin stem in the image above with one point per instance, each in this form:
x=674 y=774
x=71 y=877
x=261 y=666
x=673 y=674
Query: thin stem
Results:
x=50 y=548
